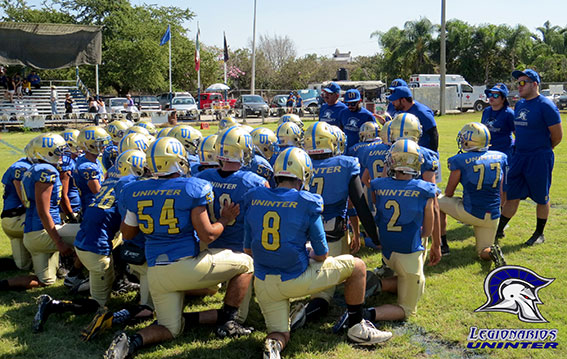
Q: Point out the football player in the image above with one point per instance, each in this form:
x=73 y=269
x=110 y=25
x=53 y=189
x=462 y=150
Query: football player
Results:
x=207 y=155
x=279 y=223
x=171 y=211
x=70 y=198
x=190 y=138
x=480 y=172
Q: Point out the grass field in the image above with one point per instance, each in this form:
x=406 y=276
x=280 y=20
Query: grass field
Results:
x=454 y=290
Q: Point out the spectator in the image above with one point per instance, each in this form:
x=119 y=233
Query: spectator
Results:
x=18 y=86
x=93 y=108
x=53 y=100
x=34 y=80
x=298 y=103
x=290 y=102
x=26 y=87
x=130 y=101
x=68 y=103
x=101 y=108
x=3 y=79
x=10 y=89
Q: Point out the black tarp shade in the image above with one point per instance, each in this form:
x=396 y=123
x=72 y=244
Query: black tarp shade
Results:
x=49 y=46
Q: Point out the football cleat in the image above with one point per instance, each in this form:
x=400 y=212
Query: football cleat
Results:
x=101 y=321
x=384 y=271
x=289 y=134
x=48 y=147
x=43 y=311
x=232 y=329
x=497 y=256
x=404 y=125
x=474 y=136
x=342 y=323
x=93 y=139
x=265 y=142
x=369 y=131
x=189 y=137
x=131 y=162
x=445 y=251
x=123 y=286
x=234 y=145
x=291 y=118
x=535 y=239
x=119 y=347
x=320 y=138
x=295 y=163
x=298 y=316
x=373 y=284
x=166 y=156
x=81 y=287
x=272 y=349
x=365 y=333
x=404 y=156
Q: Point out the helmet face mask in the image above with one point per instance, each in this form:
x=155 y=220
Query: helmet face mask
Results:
x=341 y=140
x=93 y=139
x=265 y=142
x=289 y=134
x=294 y=163
x=404 y=156
x=189 y=137
x=405 y=125
x=474 y=136
x=48 y=148
x=70 y=137
x=234 y=145
x=167 y=156
x=131 y=162
x=320 y=138
x=116 y=129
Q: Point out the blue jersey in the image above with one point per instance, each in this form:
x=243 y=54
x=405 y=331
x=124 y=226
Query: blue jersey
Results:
x=373 y=158
x=68 y=165
x=357 y=149
x=501 y=125
x=85 y=171
x=331 y=178
x=109 y=155
x=43 y=173
x=14 y=173
x=430 y=160
x=260 y=166
x=400 y=205
x=532 y=119
x=279 y=222
x=351 y=122
x=163 y=208
x=481 y=173
x=231 y=189
x=425 y=116
x=330 y=114
x=391 y=110
x=101 y=219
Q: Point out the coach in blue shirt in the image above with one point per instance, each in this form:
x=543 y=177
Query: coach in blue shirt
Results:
x=332 y=107
x=352 y=118
x=402 y=100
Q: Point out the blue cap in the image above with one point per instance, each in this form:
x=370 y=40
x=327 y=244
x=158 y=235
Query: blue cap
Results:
x=397 y=83
x=534 y=76
x=332 y=87
x=352 y=95
x=400 y=92
x=499 y=87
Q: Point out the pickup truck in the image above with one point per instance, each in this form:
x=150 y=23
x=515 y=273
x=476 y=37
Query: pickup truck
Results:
x=207 y=99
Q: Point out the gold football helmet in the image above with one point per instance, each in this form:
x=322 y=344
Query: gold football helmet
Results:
x=296 y=163
x=138 y=129
x=247 y=128
x=369 y=131
x=166 y=156
x=70 y=137
x=341 y=139
x=131 y=162
x=207 y=153
x=164 y=132
x=234 y=145
x=405 y=125
x=189 y=137
x=404 y=156
x=48 y=147
x=148 y=125
x=265 y=142
x=385 y=133
x=93 y=139
x=133 y=141
x=116 y=129
x=227 y=122
x=320 y=138
x=474 y=136
x=291 y=118
x=289 y=134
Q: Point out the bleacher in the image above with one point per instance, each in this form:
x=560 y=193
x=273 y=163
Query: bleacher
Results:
x=39 y=102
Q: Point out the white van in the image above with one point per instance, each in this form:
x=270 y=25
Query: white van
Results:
x=465 y=93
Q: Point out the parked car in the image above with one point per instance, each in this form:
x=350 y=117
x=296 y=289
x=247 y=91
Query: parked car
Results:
x=311 y=100
x=278 y=105
x=207 y=99
x=187 y=106
x=247 y=105
x=513 y=98
x=146 y=102
x=562 y=101
x=116 y=105
x=165 y=99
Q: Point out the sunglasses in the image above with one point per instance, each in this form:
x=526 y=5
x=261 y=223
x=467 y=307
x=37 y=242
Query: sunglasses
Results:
x=352 y=104
x=494 y=95
x=524 y=82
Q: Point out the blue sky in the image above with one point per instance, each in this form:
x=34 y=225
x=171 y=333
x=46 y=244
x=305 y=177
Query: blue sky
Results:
x=322 y=26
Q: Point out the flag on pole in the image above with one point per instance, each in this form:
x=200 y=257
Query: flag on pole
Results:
x=225 y=48
x=166 y=37
x=197 y=52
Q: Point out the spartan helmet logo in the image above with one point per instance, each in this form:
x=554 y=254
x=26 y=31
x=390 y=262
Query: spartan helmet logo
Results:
x=514 y=290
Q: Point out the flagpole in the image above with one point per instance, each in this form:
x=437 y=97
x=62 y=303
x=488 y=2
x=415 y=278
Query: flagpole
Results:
x=199 y=71
x=253 y=84
x=170 y=60
x=224 y=58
